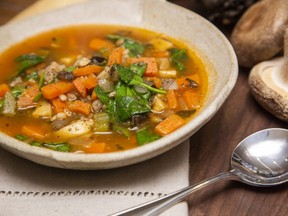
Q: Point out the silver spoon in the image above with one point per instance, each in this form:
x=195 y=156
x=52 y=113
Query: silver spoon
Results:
x=261 y=159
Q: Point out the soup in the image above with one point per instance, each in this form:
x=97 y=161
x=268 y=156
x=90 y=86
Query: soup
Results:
x=96 y=89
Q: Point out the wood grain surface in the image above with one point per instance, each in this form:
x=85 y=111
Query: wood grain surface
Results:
x=213 y=144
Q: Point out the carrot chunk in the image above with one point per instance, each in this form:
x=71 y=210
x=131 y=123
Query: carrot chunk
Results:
x=80 y=107
x=96 y=147
x=27 y=97
x=170 y=124
x=152 y=68
x=79 y=84
x=89 y=69
x=98 y=43
x=3 y=89
x=116 y=56
x=171 y=99
x=90 y=81
x=192 y=99
x=58 y=105
x=183 y=82
x=53 y=90
x=33 y=131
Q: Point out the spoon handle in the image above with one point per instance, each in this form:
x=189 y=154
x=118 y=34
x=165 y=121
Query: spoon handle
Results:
x=159 y=205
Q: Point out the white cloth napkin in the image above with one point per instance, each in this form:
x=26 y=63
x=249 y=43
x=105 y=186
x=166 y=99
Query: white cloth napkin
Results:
x=29 y=189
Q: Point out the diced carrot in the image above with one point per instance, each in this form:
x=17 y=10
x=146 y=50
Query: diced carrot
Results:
x=192 y=99
x=116 y=56
x=27 y=97
x=3 y=89
x=79 y=106
x=53 y=90
x=152 y=68
x=90 y=81
x=93 y=95
x=170 y=124
x=183 y=82
x=33 y=131
x=157 y=82
x=171 y=99
x=79 y=84
x=89 y=69
x=96 y=147
x=98 y=43
x=58 y=105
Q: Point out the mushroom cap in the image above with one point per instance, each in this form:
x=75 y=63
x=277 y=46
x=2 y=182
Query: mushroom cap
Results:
x=270 y=88
x=258 y=35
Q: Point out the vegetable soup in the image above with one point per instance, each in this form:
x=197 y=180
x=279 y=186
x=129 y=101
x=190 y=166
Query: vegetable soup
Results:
x=95 y=89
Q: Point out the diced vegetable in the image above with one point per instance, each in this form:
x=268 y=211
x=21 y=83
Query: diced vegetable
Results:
x=26 y=99
x=34 y=131
x=89 y=69
x=98 y=44
x=159 y=104
x=116 y=56
x=3 y=89
x=79 y=106
x=58 y=106
x=53 y=90
x=79 y=84
x=192 y=99
x=75 y=129
x=43 y=110
x=168 y=73
x=9 y=106
x=188 y=81
x=170 y=124
x=90 y=81
x=61 y=146
x=146 y=135
x=171 y=99
x=152 y=68
x=101 y=122
x=96 y=147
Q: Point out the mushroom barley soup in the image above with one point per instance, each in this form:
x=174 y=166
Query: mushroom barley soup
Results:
x=96 y=89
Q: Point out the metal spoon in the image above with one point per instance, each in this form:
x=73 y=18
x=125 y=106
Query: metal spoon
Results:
x=261 y=159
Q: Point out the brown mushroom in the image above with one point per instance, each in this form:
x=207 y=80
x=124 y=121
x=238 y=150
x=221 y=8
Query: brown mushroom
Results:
x=268 y=81
x=258 y=35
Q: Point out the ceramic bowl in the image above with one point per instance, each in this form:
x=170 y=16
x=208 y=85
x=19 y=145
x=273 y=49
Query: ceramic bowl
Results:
x=160 y=16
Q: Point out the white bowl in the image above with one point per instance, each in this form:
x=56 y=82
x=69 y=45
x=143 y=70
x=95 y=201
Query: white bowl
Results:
x=160 y=16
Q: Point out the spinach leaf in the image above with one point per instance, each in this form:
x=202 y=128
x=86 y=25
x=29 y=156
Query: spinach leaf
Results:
x=26 y=61
x=17 y=91
x=138 y=68
x=61 y=146
x=129 y=103
x=135 y=48
x=131 y=78
x=146 y=135
x=20 y=137
x=178 y=56
x=122 y=130
x=108 y=102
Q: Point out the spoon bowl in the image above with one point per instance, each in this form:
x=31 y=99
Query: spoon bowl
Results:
x=260 y=160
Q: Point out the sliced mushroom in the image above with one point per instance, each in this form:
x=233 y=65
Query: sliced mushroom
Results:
x=268 y=81
x=258 y=35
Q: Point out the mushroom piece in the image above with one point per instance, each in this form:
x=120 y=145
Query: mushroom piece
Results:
x=268 y=82
x=258 y=35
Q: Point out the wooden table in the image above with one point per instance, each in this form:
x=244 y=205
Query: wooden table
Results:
x=212 y=145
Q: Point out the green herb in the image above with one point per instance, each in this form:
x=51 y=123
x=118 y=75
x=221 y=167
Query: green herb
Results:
x=35 y=143
x=146 y=135
x=135 y=48
x=61 y=146
x=70 y=68
x=178 y=56
x=186 y=113
x=20 y=137
x=33 y=75
x=138 y=68
x=37 y=97
x=41 y=80
x=108 y=102
x=122 y=130
x=17 y=91
x=131 y=78
x=26 y=61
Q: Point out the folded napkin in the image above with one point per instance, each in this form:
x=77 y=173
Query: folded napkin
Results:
x=30 y=189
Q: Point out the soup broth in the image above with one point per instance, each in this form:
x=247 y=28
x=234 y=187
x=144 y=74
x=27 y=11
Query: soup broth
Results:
x=96 y=89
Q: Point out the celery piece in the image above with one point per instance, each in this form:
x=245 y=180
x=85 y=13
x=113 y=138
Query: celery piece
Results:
x=101 y=122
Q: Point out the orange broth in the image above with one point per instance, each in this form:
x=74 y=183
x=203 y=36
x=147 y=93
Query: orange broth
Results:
x=64 y=46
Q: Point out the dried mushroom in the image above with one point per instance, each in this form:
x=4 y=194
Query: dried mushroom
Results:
x=268 y=81
x=258 y=35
